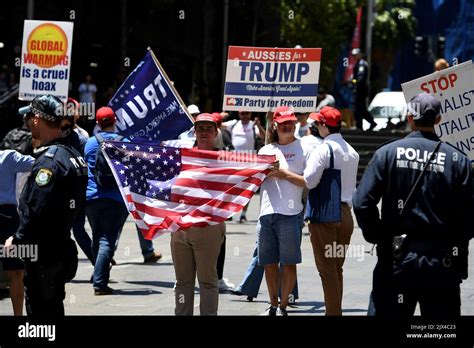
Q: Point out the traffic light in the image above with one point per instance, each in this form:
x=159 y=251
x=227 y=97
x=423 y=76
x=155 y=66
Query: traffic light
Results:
x=440 y=46
x=421 y=45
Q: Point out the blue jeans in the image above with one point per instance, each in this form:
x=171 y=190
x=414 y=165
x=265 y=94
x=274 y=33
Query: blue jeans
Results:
x=279 y=239
x=81 y=236
x=106 y=218
x=253 y=279
x=145 y=245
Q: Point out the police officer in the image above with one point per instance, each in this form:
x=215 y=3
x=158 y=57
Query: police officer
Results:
x=49 y=203
x=360 y=76
x=422 y=238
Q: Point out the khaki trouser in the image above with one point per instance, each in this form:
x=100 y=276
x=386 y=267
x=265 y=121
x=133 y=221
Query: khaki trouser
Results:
x=195 y=251
x=329 y=261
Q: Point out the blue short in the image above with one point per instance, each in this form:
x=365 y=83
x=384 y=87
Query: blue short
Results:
x=279 y=239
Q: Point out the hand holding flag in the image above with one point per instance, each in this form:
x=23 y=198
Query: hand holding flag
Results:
x=167 y=189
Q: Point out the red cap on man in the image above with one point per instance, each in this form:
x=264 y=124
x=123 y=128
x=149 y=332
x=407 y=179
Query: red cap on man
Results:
x=105 y=117
x=218 y=118
x=205 y=118
x=327 y=115
x=283 y=114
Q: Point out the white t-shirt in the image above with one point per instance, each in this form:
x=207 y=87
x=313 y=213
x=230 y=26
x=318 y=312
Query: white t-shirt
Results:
x=309 y=142
x=243 y=136
x=81 y=131
x=345 y=158
x=279 y=196
x=301 y=131
x=86 y=92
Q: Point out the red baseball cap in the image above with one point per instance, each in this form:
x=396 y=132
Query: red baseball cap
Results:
x=283 y=114
x=105 y=116
x=74 y=105
x=201 y=118
x=217 y=117
x=327 y=115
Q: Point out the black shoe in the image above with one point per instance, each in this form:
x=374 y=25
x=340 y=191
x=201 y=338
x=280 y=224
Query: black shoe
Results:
x=243 y=219
x=249 y=298
x=372 y=126
x=282 y=312
x=271 y=311
x=236 y=292
x=104 y=291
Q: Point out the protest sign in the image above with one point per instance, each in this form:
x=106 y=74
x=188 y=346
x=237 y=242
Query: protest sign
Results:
x=454 y=89
x=262 y=79
x=45 y=59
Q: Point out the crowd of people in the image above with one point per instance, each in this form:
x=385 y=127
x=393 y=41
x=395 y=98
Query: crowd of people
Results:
x=420 y=200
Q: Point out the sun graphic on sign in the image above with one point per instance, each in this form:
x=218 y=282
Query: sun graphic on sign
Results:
x=50 y=41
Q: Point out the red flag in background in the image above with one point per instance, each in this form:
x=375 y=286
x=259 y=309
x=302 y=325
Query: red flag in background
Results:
x=354 y=44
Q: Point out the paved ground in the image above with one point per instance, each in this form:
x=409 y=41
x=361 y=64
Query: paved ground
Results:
x=148 y=289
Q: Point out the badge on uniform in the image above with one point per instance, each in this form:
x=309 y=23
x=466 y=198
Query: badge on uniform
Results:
x=43 y=177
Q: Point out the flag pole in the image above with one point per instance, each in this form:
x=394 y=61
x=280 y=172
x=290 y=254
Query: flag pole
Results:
x=169 y=83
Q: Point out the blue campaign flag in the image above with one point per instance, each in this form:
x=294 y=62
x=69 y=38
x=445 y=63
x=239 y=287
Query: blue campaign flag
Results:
x=147 y=105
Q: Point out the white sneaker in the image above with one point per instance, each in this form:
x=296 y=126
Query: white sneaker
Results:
x=225 y=285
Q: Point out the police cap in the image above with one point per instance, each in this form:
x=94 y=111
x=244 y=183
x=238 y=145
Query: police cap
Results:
x=47 y=107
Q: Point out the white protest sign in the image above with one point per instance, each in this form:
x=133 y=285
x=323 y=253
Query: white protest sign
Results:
x=45 y=59
x=454 y=88
x=262 y=79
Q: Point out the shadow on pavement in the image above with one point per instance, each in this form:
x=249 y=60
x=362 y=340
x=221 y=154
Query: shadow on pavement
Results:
x=145 y=264
x=159 y=284
x=135 y=292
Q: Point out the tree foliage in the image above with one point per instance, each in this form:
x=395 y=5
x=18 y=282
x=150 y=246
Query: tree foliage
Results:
x=394 y=25
x=327 y=24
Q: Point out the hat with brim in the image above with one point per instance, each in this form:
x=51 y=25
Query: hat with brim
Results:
x=193 y=109
x=205 y=118
x=47 y=107
x=424 y=106
x=327 y=115
x=284 y=114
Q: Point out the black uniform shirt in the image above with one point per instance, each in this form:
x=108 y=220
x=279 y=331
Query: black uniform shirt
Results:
x=441 y=205
x=51 y=199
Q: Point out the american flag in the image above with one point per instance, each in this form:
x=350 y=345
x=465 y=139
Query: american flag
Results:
x=167 y=189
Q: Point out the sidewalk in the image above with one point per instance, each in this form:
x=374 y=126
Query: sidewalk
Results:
x=148 y=289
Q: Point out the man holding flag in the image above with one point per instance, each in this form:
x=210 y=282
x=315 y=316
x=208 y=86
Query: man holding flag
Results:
x=190 y=192
x=196 y=249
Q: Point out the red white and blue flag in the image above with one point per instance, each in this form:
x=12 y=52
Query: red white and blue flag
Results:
x=168 y=189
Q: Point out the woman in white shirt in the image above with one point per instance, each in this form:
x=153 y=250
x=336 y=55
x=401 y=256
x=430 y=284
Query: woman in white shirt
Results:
x=280 y=221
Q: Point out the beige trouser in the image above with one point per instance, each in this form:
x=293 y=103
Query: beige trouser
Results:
x=195 y=251
x=329 y=260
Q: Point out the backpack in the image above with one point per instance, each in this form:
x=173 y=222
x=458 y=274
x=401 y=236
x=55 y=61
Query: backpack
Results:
x=18 y=139
x=259 y=143
x=102 y=173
